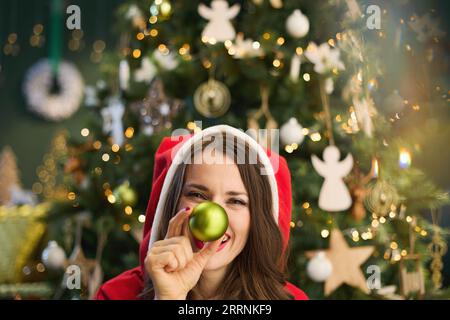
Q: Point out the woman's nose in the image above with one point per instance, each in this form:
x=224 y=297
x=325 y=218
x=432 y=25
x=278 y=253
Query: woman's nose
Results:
x=219 y=201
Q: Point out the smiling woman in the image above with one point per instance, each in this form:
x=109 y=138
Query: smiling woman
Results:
x=248 y=262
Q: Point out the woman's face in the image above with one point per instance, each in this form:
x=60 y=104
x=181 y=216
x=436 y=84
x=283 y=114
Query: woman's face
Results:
x=222 y=184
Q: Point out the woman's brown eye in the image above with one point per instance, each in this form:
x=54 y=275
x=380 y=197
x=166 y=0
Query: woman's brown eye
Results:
x=196 y=195
x=238 y=202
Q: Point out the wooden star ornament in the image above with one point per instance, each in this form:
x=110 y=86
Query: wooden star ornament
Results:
x=87 y=266
x=346 y=263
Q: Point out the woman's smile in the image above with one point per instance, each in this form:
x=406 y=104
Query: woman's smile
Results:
x=225 y=241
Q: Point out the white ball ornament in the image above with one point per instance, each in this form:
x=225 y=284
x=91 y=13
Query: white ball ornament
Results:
x=54 y=256
x=319 y=268
x=291 y=132
x=297 y=24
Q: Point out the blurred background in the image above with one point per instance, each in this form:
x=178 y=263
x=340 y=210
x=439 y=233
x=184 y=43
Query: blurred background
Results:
x=87 y=94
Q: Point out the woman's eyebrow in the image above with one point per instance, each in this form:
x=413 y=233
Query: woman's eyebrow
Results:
x=197 y=186
x=204 y=188
x=237 y=193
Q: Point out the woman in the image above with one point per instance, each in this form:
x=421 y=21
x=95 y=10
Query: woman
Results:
x=224 y=165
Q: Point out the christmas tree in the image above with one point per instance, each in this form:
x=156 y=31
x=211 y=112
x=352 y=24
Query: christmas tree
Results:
x=349 y=85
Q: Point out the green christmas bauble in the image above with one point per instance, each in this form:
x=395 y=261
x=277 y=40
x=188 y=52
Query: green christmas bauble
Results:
x=125 y=195
x=208 y=221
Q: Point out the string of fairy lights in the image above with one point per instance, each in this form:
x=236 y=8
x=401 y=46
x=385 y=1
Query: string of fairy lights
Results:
x=111 y=153
x=161 y=10
x=367 y=232
x=76 y=43
x=348 y=123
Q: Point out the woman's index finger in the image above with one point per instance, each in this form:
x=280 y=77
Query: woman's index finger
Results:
x=175 y=228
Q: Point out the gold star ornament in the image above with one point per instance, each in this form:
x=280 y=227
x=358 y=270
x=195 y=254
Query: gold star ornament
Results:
x=346 y=263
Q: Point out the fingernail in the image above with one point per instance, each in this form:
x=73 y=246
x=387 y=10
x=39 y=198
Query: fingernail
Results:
x=188 y=208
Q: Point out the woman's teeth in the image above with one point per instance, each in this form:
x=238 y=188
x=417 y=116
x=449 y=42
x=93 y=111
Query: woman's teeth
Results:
x=225 y=238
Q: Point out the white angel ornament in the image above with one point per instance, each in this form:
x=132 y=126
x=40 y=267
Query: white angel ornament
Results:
x=112 y=120
x=219 y=28
x=334 y=195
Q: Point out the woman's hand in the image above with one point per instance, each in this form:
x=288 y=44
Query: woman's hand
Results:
x=172 y=265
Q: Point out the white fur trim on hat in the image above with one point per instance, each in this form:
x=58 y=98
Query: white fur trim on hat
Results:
x=186 y=149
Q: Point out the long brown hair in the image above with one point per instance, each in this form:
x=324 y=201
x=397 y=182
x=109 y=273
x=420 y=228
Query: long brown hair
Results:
x=258 y=272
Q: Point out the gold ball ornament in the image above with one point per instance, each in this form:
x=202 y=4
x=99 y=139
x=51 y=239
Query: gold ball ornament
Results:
x=212 y=99
x=208 y=221
x=381 y=196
